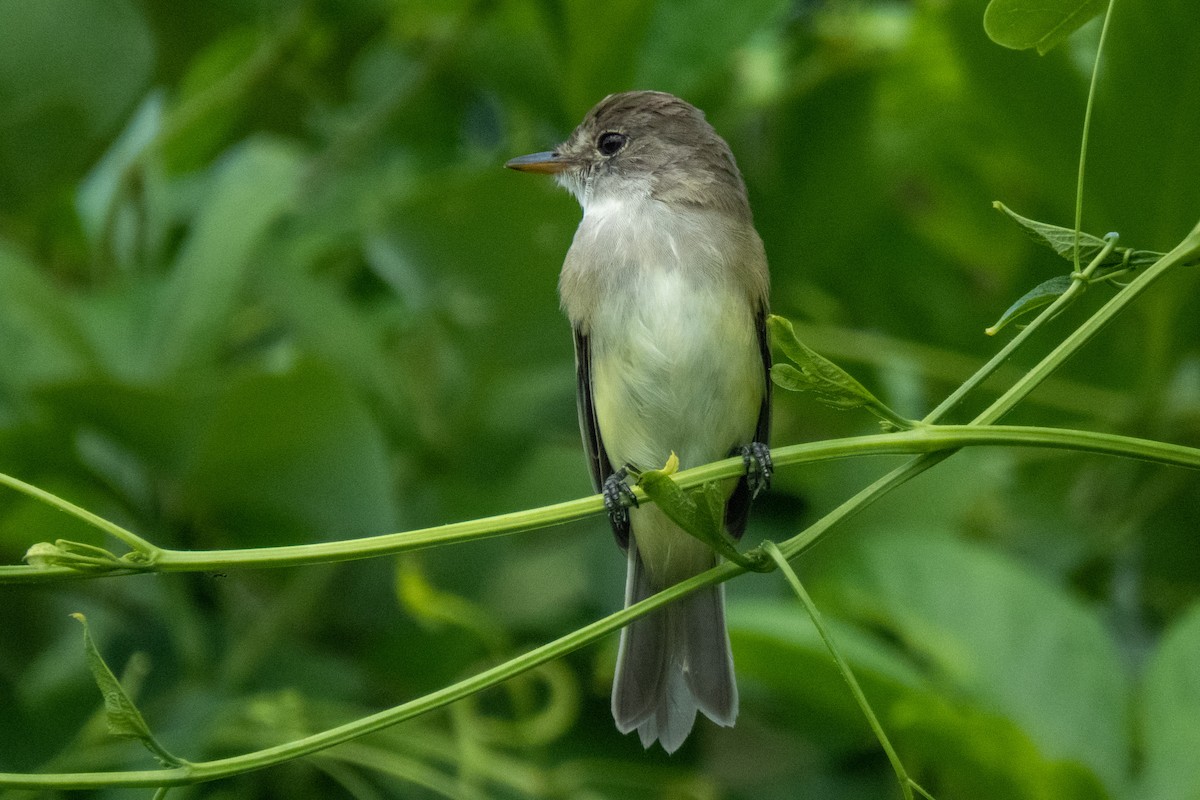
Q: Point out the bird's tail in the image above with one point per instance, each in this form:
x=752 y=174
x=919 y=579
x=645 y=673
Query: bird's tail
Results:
x=673 y=663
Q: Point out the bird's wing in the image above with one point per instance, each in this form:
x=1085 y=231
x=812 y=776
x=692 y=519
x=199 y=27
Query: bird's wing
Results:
x=597 y=458
x=737 y=511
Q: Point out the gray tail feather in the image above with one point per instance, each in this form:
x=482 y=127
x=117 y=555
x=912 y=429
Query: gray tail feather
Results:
x=672 y=664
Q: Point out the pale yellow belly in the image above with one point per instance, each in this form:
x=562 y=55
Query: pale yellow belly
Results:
x=682 y=376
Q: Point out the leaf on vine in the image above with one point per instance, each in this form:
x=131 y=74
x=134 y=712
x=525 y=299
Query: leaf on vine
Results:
x=814 y=373
x=42 y=555
x=123 y=717
x=699 y=511
x=1042 y=294
x=1062 y=241
x=82 y=557
x=681 y=506
x=1021 y=24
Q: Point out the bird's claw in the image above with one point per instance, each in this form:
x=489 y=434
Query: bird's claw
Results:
x=618 y=497
x=756 y=457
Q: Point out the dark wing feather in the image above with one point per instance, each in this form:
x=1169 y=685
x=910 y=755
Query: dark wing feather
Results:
x=597 y=458
x=737 y=511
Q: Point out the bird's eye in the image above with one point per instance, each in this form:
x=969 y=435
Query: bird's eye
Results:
x=610 y=142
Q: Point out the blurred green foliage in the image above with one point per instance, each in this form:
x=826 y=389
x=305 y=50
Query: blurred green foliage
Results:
x=263 y=281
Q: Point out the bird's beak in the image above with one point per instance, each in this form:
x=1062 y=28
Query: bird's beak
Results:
x=547 y=163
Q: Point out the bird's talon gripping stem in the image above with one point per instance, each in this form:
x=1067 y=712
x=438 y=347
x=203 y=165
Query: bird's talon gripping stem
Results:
x=756 y=457
x=618 y=497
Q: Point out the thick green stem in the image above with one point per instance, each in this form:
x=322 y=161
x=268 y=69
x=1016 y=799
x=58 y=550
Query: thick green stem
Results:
x=936 y=440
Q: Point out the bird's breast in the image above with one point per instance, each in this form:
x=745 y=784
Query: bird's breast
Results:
x=675 y=361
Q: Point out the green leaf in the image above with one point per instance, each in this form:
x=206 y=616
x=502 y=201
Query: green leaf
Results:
x=775 y=642
x=965 y=744
x=69 y=73
x=832 y=385
x=814 y=373
x=1000 y=642
x=689 y=42
x=288 y=456
x=1043 y=294
x=690 y=510
x=1149 y=73
x=212 y=73
x=1021 y=24
x=1062 y=241
x=123 y=717
x=254 y=187
x=81 y=556
x=600 y=49
x=37 y=322
x=700 y=512
x=981 y=754
x=1170 y=712
x=102 y=192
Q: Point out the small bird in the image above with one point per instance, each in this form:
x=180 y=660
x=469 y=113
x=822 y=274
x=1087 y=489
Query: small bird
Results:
x=665 y=285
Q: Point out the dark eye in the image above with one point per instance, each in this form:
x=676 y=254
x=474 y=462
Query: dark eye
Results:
x=610 y=142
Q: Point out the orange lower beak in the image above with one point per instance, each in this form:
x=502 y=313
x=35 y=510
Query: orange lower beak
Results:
x=547 y=163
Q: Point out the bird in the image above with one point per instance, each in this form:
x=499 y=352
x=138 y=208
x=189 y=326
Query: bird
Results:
x=666 y=289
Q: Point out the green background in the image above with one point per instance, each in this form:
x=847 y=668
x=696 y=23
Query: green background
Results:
x=263 y=280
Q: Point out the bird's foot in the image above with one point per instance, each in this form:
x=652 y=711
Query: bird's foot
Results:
x=618 y=498
x=756 y=456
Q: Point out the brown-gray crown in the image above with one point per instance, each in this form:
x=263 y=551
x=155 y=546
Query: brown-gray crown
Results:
x=657 y=140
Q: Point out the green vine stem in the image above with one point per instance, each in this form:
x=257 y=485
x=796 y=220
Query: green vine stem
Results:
x=1186 y=251
x=907 y=784
x=1078 y=286
x=935 y=442
x=111 y=528
x=940 y=440
x=1087 y=130
x=200 y=771
x=932 y=444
